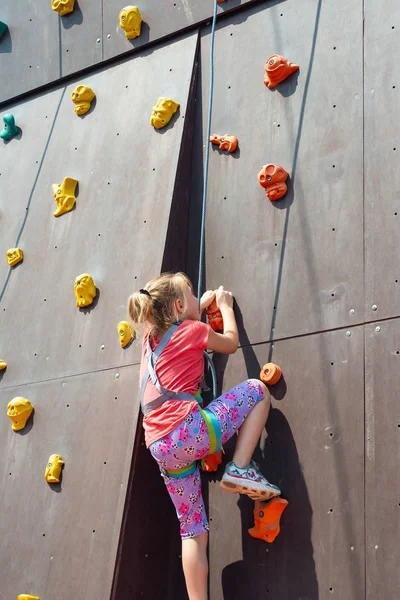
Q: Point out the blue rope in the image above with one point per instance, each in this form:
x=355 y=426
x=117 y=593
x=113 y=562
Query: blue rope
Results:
x=206 y=161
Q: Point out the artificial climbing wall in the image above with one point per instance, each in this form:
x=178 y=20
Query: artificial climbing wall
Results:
x=60 y=541
x=315 y=277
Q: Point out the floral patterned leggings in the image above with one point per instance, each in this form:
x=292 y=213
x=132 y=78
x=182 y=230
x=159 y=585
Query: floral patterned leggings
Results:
x=189 y=442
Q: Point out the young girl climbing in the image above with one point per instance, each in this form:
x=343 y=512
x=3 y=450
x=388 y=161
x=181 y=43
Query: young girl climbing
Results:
x=178 y=431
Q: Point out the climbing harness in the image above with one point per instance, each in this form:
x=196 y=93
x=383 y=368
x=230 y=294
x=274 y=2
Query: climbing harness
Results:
x=211 y=421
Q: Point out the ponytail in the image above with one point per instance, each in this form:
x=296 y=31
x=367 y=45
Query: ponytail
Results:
x=154 y=305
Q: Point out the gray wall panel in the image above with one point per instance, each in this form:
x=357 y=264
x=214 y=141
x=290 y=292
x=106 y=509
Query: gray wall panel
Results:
x=158 y=21
x=29 y=51
x=50 y=47
x=81 y=37
x=21 y=161
x=314 y=451
x=382 y=382
x=60 y=541
x=382 y=148
x=126 y=172
x=305 y=251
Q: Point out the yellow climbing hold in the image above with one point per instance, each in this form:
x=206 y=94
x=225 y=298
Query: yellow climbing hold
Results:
x=82 y=96
x=126 y=333
x=14 y=256
x=3 y=365
x=85 y=290
x=130 y=20
x=53 y=469
x=27 y=597
x=64 y=195
x=162 y=112
x=19 y=410
x=63 y=6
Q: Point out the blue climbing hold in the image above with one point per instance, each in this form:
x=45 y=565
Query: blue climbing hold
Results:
x=3 y=28
x=10 y=129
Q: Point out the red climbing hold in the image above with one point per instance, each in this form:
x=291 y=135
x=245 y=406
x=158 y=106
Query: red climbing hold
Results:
x=226 y=142
x=215 y=317
x=270 y=373
x=272 y=178
x=210 y=462
x=267 y=516
x=277 y=68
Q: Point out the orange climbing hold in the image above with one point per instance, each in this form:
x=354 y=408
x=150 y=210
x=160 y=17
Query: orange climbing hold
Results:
x=215 y=317
x=210 y=462
x=226 y=142
x=272 y=178
x=277 y=68
x=267 y=516
x=270 y=373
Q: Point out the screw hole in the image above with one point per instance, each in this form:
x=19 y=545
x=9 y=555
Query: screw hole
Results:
x=80 y=346
x=94 y=531
x=67 y=405
x=332 y=363
x=333 y=229
x=331 y=434
x=229 y=87
x=394 y=149
x=333 y=166
x=394 y=87
x=105 y=462
x=334 y=106
x=222 y=257
x=334 y=47
x=333 y=295
x=116 y=398
x=276 y=244
x=331 y=510
x=397 y=351
x=278 y=125
x=56 y=247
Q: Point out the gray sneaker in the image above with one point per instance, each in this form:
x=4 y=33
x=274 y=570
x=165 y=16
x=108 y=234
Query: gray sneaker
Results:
x=249 y=481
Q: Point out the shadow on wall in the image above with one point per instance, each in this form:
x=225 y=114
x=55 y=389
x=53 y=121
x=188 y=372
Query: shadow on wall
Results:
x=286 y=568
x=74 y=18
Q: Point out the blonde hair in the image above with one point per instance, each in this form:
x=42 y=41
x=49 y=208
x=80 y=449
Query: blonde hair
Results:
x=157 y=310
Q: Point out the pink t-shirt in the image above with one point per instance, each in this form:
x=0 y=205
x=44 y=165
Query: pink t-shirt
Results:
x=179 y=368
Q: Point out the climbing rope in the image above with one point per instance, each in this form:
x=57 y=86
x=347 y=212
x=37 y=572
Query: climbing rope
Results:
x=203 y=211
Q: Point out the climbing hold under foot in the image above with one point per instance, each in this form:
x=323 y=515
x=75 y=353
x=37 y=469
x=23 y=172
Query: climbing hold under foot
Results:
x=10 y=130
x=210 y=462
x=130 y=20
x=126 y=333
x=64 y=195
x=267 y=516
x=215 y=317
x=270 y=373
x=27 y=597
x=14 y=256
x=272 y=178
x=277 y=68
x=85 y=290
x=19 y=410
x=162 y=112
x=3 y=28
x=226 y=142
x=82 y=96
x=53 y=469
x=63 y=6
x=3 y=365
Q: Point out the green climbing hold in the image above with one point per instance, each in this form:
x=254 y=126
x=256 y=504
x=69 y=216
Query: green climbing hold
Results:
x=10 y=129
x=3 y=28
